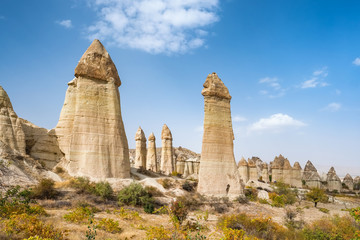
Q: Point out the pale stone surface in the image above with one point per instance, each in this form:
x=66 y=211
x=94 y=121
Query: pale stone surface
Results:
x=218 y=174
x=167 y=164
x=140 y=150
x=333 y=181
x=254 y=168
x=151 y=159
x=265 y=172
x=349 y=182
x=262 y=194
x=243 y=169
x=311 y=176
x=41 y=144
x=357 y=183
x=296 y=175
x=90 y=130
x=11 y=132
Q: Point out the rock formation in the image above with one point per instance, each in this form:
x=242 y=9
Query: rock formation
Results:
x=281 y=170
x=311 y=176
x=218 y=174
x=296 y=175
x=333 y=181
x=254 y=165
x=348 y=182
x=167 y=163
x=243 y=169
x=357 y=183
x=11 y=132
x=90 y=130
x=265 y=172
x=140 y=151
x=42 y=144
x=151 y=159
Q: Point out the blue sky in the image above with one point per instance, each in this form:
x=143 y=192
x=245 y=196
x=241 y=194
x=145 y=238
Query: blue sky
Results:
x=292 y=68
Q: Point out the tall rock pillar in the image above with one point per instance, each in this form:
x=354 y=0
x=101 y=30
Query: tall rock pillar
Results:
x=151 y=162
x=167 y=163
x=140 y=151
x=90 y=130
x=218 y=174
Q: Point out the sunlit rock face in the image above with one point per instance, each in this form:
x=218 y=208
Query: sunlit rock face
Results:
x=90 y=130
x=348 y=181
x=140 y=150
x=243 y=169
x=310 y=176
x=167 y=162
x=296 y=175
x=333 y=181
x=151 y=158
x=218 y=173
x=11 y=132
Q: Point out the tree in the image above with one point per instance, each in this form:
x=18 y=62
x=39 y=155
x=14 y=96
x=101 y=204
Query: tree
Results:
x=316 y=195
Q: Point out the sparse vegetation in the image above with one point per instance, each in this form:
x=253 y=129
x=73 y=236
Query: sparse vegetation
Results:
x=45 y=190
x=324 y=210
x=316 y=195
x=81 y=214
x=109 y=225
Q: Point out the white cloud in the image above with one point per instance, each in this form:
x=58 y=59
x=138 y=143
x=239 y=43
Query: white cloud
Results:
x=275 y=122
x=65 y=23
x=356 y=61
x=317 y=79
x=238 y=118
x=275 y=89
x=154 y=26
x=332 y=107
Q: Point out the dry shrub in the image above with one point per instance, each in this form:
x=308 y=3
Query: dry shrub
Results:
x=335 y=227
x=166 y=183
x=109 y=225
x=45 y=190
x=134 y=194
x=158 y=233
x=153 y=191
x=80 y=214
x=30 y=225
x=127 y=214
x=233 y=234
x=191 y=201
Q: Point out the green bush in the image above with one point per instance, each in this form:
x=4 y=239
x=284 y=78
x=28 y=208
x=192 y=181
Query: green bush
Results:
x=82 y=185
x=178 y=211
x=289 y=195
x=278 y=201
x=149 y=207
x=104 y=190
x=16 y=201
x=134 y=195
x=45 y=190
x=316 y=195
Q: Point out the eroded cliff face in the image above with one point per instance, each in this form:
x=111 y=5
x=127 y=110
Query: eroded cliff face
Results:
x=218 y=174
x=11 y=132
x=90 y=130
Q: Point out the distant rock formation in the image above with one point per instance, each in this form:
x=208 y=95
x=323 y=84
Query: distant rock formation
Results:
x=167 y=162
x=296 y=175
x=140 y=150
x=348 y=182
x=311 y=176
x=11 y=132
x=218 y=174
x=243 y=168
x=90 y=130
x=254 y=165
x=281 y=170
x=151 y=159
x=357 y=183
x=333 y=181
x=187 y=162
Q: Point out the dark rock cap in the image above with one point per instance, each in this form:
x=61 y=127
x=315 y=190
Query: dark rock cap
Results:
x=96 y=63
x=213 y=86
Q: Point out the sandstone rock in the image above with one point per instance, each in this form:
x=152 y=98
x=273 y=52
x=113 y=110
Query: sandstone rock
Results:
x=265 y=172
x=349 y=182
x=41 y=144
x=296 y=175
x=90 y=130
x=167 y=164
x=254 y=164
x=262 y=194
x=151 y=159
x=243 y=169
x=140 y=151
x=357 y=183
x=11 y=132
x=218 y=174
x=333 y=181
x=311 y=176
